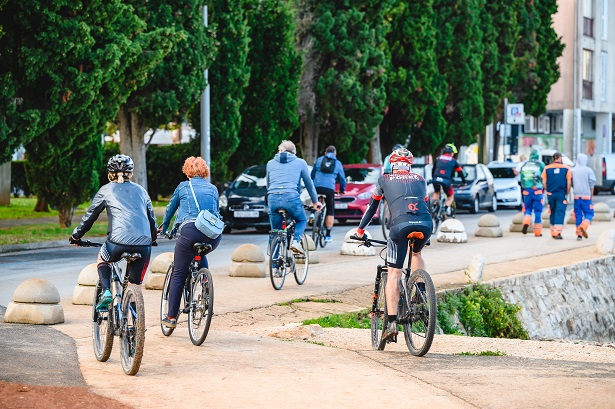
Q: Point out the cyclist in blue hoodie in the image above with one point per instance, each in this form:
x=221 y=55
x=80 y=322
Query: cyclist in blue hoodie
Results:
x=284 y=174
x=326 y=172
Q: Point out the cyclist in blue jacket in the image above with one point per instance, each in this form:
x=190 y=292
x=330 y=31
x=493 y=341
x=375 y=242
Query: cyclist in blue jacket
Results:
x=326 y=172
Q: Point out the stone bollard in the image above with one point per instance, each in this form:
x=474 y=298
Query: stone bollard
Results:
x=572 y=219
x=311 y=246
x=83 y=294
x=476 y=268
x=546 y=217
x=488 y=226
x=35 y=301
x=158 y=271
x=353 y=248
x=517 y=223
x=452 y=231
x=605 y=244
x=248 y=260
x=602 y=212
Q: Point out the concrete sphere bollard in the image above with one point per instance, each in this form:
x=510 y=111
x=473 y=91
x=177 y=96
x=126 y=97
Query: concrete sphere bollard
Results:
x=452 y=231
x=83 y=294
x=353 y=247
x=517 y=223
x=605 y=244
x=35 y=301
x=158 y=271
x=602 y=212
x=248 y=260
x=488 y=226
x=311 y=246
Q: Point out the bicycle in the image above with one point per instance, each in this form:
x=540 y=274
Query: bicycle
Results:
x=197 y=296
x=125 y=317
x=417 y=303
x=437 y=211
x=319 y=230
x=282 y=259
x=385 y=218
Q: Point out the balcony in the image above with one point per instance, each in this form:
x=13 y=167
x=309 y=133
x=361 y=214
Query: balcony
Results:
x=588 y=27
x=588 y=87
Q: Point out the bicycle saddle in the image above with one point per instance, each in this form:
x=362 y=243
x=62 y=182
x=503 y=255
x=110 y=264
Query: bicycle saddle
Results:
x=200 y=247
x=130 y=256
x=281 y=212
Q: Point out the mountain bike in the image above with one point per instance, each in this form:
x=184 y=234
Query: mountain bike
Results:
x=282 y=259
x=438 y=214
x=319 y=230
x=125 y=317
x=416 y=311
x=197 y=296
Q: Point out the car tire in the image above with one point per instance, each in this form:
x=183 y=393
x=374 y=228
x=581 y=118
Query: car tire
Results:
x=475 y=205
x=342 y=221
x=494 y=204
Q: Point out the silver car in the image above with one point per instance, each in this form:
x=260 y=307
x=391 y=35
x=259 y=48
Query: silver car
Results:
x=506 y=184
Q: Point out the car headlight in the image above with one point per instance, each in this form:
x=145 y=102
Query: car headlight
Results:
x=364 y=195
x=223 y=201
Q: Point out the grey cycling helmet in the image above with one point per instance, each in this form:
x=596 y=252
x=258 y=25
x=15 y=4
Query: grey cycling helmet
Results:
x=120 y=163
x=397 y=146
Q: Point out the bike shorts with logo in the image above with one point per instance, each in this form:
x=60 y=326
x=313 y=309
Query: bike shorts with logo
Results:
x=111 y=252
x=397 y=243
x=448 y=189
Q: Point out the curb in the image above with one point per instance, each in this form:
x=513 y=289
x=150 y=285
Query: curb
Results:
x=9 y=248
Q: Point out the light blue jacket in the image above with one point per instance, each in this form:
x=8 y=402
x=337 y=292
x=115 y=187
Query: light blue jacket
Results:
x=327 y=180
x=182 y=201
x=284 y=174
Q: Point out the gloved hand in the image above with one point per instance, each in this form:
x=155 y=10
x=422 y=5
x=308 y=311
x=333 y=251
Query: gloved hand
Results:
x=154 y=244
x=73 y=240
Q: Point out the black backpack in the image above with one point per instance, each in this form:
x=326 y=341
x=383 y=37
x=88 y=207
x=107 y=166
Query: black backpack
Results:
x=327 y=165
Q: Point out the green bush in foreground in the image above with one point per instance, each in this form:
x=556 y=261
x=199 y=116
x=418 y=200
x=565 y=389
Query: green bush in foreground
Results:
x=359 y=319
x=482 y=311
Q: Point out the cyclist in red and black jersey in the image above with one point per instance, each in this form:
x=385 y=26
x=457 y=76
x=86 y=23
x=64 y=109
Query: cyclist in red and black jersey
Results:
x=406 y=195
x=444 y=168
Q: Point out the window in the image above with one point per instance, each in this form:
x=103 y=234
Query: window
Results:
x=605 y=29
x=588 y=18
x=603 y=75
x=588 y=62
x=588 y=8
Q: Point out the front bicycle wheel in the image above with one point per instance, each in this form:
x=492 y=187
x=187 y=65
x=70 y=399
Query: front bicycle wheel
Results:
x=132 y=334
x=201 y=306
x=379 y=315
x=302 y=262
x=322 y=230
x=277 y=262
x=164 y=303
x=102 y=329
x=420 y=326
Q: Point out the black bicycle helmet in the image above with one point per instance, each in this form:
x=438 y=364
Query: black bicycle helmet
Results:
x=449 y=148
x=120 y=163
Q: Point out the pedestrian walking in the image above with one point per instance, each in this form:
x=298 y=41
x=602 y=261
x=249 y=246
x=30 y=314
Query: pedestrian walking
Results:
x=557 y=179
x=583 y=181
x=530 y=175
x=325 y=173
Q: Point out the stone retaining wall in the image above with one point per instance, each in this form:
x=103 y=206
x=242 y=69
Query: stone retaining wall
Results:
x=572 y=302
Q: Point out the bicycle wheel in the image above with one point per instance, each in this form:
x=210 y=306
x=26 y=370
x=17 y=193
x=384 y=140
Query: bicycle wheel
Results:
x=316 y=229
x=385 y=217
x=132 y=334
x=277 y=262
x=102 y=329
x=301 y=272
x=201 y=306
x=379 y=315
x=435 y=217
x=164 y=303
x=420 y=326
x=453 y=209
x=322 y=230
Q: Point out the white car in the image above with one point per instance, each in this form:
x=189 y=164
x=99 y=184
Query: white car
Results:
x=506 y=183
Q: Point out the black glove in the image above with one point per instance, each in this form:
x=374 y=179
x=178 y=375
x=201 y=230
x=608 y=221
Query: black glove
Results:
x=73 y=240
x=154 y=244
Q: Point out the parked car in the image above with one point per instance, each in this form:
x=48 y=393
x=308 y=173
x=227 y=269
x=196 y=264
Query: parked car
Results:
x=507 y=188
x=360 y=181
x=479 y=191
x=425 y=171
x=242 y=204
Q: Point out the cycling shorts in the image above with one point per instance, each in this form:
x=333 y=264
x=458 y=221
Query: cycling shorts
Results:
x=397 y=243
x=446 y=188
x=329 y=199
x=111 y=252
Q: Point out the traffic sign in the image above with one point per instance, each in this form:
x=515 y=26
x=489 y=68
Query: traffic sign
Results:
x=515 y=114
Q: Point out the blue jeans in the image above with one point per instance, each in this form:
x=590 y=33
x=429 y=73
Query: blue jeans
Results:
x=294 y=209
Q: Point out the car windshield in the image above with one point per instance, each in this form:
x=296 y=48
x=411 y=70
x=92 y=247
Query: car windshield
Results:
x=503 y=173
x=251 y=178
x=362 y=175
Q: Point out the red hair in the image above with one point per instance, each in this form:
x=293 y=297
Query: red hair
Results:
x=195 y=166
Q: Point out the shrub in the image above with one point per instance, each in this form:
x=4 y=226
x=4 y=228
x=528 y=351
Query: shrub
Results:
x=19 y=182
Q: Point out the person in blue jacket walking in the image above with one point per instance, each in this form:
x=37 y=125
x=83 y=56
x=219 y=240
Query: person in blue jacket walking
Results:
x=326 y=172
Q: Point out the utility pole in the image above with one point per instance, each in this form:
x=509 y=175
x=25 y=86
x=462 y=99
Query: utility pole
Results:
x=205 y=114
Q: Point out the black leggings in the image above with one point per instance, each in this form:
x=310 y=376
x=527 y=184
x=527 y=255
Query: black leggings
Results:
x=111 y=252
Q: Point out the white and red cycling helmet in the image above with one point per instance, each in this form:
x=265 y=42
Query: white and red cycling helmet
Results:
x=401 y=159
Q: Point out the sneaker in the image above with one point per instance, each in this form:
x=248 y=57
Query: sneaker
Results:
x=579 y=237
x=169 y=322
x=558 y=237
x=583 y=231
x=524 y=228
x=105 y=299
x=328 y=239
x=390 y=332
x=296 y=246
x=447 y=210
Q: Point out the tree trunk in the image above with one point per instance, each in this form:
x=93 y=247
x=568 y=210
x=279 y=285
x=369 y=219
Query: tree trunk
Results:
x=374 y=155
x=41 y=205
x=132 y=143
x=309 y=140
x=65 y=215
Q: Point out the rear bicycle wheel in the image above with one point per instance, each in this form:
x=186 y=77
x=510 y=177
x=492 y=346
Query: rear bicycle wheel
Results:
x=316 y=230
x=322 y=230
x=132 y=334
x=302 y=262
x=385 y=217
x=277 y=262
x=379 y=315
x=420 y=326
x=201 y=306
x=102 y=329
x=164 y=303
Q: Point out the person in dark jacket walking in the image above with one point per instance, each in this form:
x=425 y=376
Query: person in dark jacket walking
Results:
x=132 y=225
x=183 y=202
x=325 y=173
x=557 y=179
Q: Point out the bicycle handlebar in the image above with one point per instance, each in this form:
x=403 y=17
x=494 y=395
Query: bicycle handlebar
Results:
x=367 y=242
x=86 y=243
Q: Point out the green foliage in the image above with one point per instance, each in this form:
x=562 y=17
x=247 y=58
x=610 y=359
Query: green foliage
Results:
x=19 y=179
x=359 y=319
x=483 y=353
x=269 y=110
x=164 y=166
x=482 y=311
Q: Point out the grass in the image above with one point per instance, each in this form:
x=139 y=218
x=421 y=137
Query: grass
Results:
x=483 y=353
x=359 y=319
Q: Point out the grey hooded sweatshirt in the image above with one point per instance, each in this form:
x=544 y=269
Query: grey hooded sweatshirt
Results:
x=583 y=177
x=284 y=174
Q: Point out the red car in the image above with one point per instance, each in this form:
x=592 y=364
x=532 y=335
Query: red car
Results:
x=360 y=181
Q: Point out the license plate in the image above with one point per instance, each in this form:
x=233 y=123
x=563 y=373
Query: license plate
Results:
x=246 y=213
x=341 y=206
